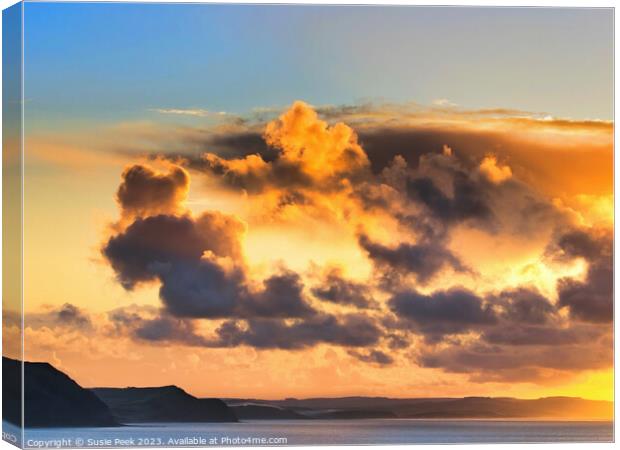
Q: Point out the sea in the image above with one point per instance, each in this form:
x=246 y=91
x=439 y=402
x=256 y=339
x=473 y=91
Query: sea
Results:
x=315 y=432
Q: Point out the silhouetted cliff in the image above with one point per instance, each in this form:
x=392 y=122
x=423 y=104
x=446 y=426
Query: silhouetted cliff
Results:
x=162 y=404
x=51 y=398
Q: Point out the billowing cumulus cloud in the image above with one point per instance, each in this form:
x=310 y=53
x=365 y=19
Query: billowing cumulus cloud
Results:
x=199 y=265
x=321 y=151
x=310 y=155
x=144 y=191
x=149 y=246
x=493 y=171
x=198 y=261
x=473 y=266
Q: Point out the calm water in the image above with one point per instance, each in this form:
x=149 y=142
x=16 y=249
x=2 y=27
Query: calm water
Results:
x=313 y=432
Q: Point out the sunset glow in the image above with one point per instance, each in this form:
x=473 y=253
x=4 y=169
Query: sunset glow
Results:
x=287 y=240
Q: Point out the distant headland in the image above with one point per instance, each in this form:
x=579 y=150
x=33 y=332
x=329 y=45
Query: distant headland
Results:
x=53 y=399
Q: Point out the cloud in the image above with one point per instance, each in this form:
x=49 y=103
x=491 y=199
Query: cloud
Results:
x=145 y=192
x=149 y=246
x=469 y=200
x=373 y=356
x=253 y=174
x=422 y=260
x=518 y=363
x=196 y=112
x=200 y=267
x=519 y=335
x=336 y=289
x=525 y=305
x=526 y=139
x=320 y=150
x=202 y=288
x=352 y=330
x=67 y=316
x=443 y=102
x=590 y=300
x=310 y=154
x=282 y=296
x=442 y=312
x=443 y=193
x=579 y=243
x=540 y=335
x=494 y=172
x=405 y=191
x=199 y=261
x=154 y=326
x=71 y=315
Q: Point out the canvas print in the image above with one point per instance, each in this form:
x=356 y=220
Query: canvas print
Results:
x=298 y=225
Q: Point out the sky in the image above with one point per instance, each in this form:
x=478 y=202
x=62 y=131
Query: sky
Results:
x=120 y=59
x=281 y=201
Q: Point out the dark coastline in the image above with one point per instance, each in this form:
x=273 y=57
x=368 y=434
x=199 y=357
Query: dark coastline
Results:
x=52 y=399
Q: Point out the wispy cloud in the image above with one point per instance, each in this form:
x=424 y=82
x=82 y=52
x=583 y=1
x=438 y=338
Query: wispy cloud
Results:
x=444 y=102
x=196 y=112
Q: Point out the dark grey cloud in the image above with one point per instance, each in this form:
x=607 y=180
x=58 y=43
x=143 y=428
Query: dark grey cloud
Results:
x=240 y=144
x=158 y=240
x=335 y=288
x=442 y=312
x=282 y=296
x=590 y=300
x=517 y=363
x=69 y=314
x=130 y=315
x=398 y=341
x=445 y=191
x=424 y=260
x=373 y=357
x=579 y=243
x=353 y=330
x=201 y=288
x=521 y=337
x=206 y=290
x=516 y=317
x=551 y=335
x=169 y=329
x=64 y=316
x=174 y=250
x=382 y=144
x=143 y=191
x=255 y=179
x=154 y=326
x=469 y=200
x=524 y=305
